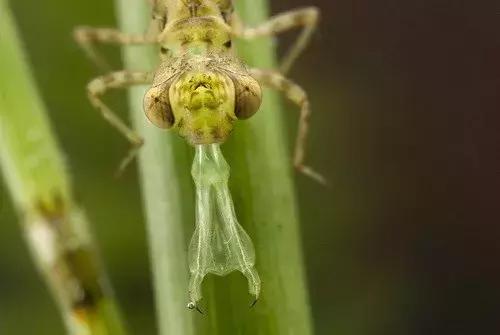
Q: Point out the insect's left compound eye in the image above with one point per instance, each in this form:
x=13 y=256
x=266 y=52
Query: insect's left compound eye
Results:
x=248 y=96
x=157 y=107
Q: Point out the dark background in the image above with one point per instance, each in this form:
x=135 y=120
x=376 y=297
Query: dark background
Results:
x=405 y=126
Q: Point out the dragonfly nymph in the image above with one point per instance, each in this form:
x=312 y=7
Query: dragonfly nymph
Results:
x=201 y=88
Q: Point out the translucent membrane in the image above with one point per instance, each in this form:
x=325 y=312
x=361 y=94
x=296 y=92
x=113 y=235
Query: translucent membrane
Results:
x=219 y=244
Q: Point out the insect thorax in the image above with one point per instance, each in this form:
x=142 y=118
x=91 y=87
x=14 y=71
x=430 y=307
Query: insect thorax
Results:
x=179 y=9
x=196 y=34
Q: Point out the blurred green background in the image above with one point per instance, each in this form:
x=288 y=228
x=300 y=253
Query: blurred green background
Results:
x=405 y=100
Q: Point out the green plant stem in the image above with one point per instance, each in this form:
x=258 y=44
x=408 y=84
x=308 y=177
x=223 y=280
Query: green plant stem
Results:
x=56 y=229
x=261 y=183
x=166 y=188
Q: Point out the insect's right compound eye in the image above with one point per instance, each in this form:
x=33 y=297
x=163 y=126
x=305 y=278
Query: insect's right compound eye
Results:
x=157 y=107
x=248 y=96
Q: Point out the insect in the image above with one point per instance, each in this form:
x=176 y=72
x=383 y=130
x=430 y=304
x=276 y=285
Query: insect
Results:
x=201 y=88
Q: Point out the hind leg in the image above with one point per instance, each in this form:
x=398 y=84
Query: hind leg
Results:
x=87 y=37
x=305 y=18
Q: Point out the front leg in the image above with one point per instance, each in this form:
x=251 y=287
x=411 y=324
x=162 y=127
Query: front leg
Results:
x=122 y=79
x=307 y=18
x=298 y=96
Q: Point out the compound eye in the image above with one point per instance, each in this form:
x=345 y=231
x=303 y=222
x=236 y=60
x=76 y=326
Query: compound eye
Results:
x=157 y=107
x=248 y=96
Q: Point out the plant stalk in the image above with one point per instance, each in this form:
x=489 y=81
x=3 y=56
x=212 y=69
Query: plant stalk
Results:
x=56 y=229
x=164 y=164
x=262 y=186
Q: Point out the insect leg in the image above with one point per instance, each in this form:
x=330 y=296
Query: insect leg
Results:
x=158 y=17
x=87 y=37
x=298 y=96
x=306 y=18
x=121 y=79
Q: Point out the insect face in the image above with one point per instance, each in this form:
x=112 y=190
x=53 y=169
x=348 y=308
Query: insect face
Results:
x=203 y=106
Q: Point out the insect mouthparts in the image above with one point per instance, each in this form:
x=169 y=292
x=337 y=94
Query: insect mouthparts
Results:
x=205 y=85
